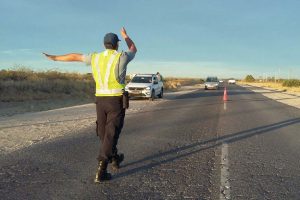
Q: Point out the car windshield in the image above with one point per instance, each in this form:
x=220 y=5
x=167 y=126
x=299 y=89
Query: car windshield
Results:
x=211 y=79
x=141 y=79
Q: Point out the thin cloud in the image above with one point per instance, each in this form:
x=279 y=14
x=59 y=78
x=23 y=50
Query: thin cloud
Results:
x=14 y=51
x=6 y=52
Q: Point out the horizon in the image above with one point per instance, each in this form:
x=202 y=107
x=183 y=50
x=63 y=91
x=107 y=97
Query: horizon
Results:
x=195 y=39
x=23 y=68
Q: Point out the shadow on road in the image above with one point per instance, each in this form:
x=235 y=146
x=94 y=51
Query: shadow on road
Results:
x=184 y=151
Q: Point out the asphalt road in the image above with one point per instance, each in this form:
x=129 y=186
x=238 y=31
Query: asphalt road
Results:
x=192 y=147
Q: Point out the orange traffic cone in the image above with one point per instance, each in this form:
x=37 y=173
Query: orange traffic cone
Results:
x=225 y=98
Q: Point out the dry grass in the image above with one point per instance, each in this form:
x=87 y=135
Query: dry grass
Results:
x=277 y=86
x=24 y=84
x=174 y=84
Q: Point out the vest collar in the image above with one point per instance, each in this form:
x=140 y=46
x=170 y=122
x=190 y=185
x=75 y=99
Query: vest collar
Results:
x=107 y=51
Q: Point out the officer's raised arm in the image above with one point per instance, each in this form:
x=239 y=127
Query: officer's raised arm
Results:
x=72 y=57
x=129 y=42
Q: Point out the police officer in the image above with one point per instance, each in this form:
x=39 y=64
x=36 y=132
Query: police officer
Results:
x=109 y=72
x=159 y=76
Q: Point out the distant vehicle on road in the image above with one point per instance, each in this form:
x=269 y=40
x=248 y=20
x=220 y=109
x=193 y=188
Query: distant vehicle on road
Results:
x=146 y=86
x=231 y=81
x=211 y=83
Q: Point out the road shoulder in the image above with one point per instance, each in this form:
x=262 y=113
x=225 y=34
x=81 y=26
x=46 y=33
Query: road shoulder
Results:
x=291 y=99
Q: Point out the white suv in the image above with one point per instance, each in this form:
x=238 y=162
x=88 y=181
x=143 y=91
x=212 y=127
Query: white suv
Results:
x=146 y=86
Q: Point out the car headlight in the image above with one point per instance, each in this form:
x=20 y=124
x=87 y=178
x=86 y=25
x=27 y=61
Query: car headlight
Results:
x=126 y=87
x=148 y=88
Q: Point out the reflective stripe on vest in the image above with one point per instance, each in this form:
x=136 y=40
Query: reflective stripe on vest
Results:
x=107 y=91
x=103 y=65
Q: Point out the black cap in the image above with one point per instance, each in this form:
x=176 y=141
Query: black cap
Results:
x=111 y=38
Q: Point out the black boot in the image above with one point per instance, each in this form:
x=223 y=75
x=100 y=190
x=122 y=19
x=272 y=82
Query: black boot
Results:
x=102 y=174
x=116 y=160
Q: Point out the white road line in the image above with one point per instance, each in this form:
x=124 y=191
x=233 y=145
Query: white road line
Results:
x=225 y=186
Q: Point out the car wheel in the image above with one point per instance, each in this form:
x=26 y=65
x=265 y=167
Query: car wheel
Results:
x=152 y=96
x=161 y=93
x=205 y=88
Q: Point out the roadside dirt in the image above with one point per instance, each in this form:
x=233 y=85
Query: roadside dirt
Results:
x=13 y=108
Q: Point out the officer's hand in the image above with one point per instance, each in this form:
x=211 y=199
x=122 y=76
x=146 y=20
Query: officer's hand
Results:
x=50 y=57
x=123 y=33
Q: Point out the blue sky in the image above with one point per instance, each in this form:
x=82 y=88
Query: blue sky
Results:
x=186 y=38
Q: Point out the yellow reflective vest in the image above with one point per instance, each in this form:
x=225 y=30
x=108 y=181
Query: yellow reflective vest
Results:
x=103 y=66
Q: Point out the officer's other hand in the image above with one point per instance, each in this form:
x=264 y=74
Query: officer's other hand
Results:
x=50 y=57
x=123 y=33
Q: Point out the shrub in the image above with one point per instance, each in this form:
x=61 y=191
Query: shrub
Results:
x=249 y=78
x=291 y=83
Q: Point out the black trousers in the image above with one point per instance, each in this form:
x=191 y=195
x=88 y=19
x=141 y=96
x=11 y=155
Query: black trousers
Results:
x=110 y=121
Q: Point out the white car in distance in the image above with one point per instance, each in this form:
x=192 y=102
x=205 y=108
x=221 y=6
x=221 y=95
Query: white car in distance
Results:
x=231 y=81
